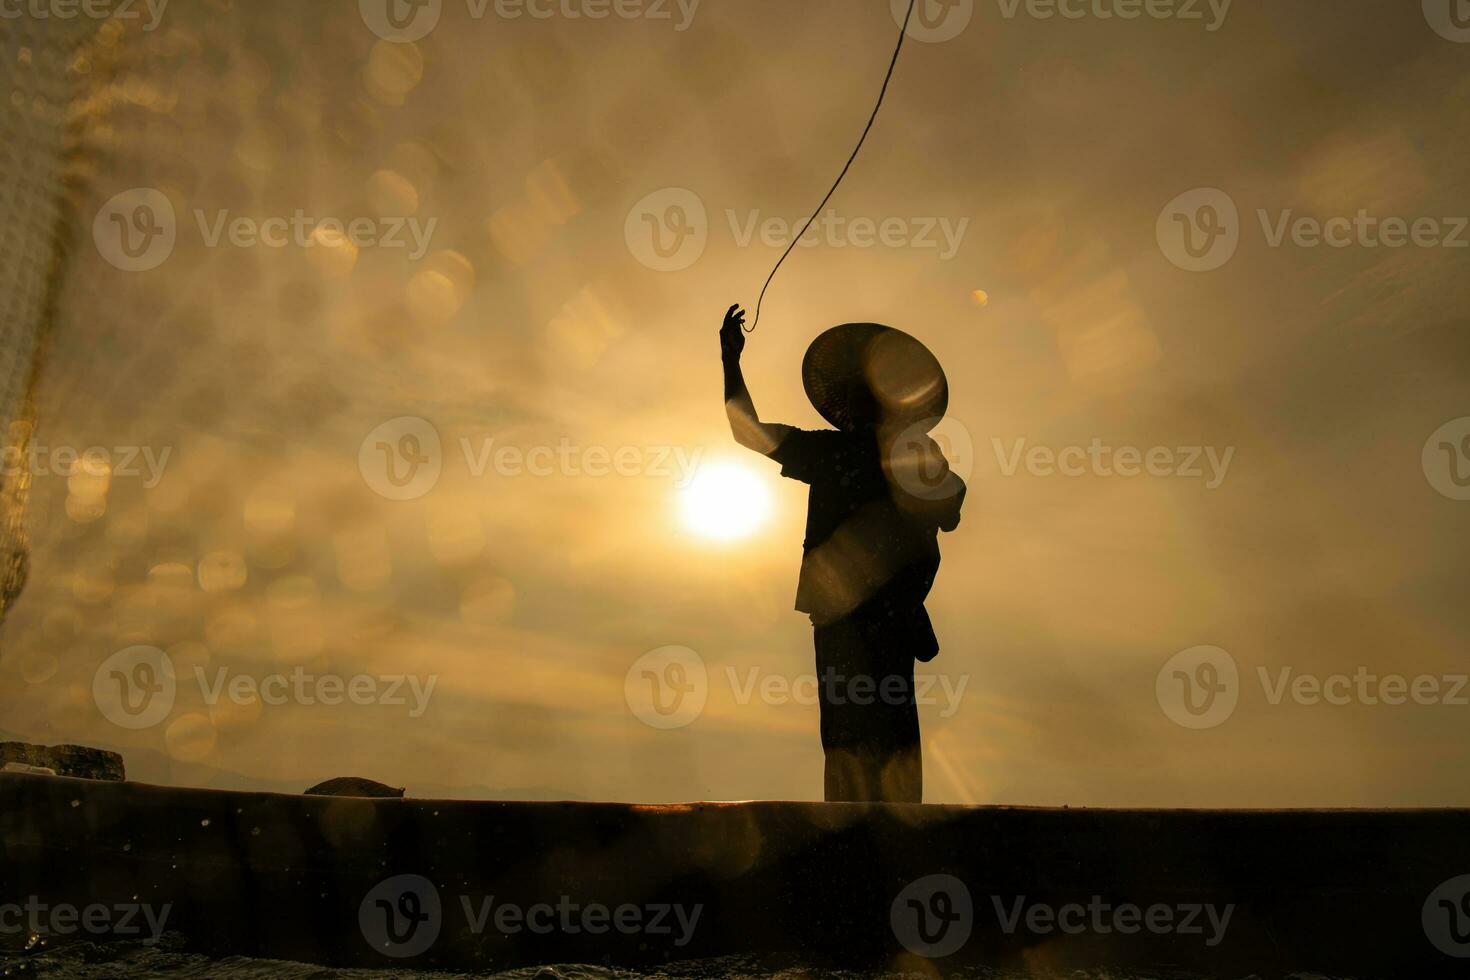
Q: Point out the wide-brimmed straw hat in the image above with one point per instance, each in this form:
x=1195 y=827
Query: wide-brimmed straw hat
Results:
x=859 y=375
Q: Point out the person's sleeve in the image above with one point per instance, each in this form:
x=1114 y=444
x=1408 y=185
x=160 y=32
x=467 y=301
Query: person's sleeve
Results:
x=801 y=455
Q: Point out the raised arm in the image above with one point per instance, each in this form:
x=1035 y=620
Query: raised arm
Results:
x=745 y=422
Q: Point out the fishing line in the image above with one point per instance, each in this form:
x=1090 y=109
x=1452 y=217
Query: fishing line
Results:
x=902 y=33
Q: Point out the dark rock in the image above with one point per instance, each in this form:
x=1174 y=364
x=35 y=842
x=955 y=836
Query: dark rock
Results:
x=354 y=786
x=78 y=761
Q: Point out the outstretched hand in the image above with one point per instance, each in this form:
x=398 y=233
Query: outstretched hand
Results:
x=732 y=333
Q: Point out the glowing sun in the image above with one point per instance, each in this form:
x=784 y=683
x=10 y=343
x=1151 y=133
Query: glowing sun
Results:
x=725 y=502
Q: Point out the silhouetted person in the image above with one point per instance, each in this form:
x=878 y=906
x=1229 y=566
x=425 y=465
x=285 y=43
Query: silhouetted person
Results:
x=880 y=493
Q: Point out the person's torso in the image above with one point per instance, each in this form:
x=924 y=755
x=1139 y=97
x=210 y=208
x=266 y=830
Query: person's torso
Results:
x=862 y=546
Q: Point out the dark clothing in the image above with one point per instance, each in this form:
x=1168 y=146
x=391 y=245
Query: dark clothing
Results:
x=870 y=721
x=869 y=560
x=871 y=534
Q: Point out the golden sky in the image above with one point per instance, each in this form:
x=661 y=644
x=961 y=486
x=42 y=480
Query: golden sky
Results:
x=1017 y=191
